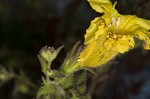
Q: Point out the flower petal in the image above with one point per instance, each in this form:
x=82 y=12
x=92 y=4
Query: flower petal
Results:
x=129 y=24
x=101 y=5
x=124 y=44
x=145 y=36
x=97 y=28
x=145 y=24
x=121 y=43
x=95 y=54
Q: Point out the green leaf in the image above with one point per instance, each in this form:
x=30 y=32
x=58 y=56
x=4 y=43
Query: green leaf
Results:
x=47 y=90
x=82 y=88
x=67 y=81
x=81 y=78
x=44 y=81
x=43 y=64
x=74 y=95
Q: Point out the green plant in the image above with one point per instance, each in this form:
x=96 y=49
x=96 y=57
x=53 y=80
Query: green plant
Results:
x=58 y=84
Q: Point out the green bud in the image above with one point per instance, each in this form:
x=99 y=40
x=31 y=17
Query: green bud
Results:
x=70 y=64
x=49 y=53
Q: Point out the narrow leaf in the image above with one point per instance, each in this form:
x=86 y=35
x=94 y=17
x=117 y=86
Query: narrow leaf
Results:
x=43 y=64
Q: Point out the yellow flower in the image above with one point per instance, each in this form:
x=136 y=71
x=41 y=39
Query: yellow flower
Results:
x=111 y=34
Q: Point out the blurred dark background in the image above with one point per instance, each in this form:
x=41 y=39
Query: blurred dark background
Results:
x=28 y=25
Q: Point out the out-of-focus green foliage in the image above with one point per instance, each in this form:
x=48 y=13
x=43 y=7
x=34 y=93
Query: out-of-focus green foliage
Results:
x=22 y=84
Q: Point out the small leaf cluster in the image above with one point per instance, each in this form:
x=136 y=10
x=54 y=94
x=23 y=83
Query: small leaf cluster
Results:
x=57 y=84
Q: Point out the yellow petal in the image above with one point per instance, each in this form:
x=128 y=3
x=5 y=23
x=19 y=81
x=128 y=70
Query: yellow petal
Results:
x=129 y=24
x=95 y=54
x=97 y=27
x=145 y=36
x=145 y=24
x=132 y=26
x=101 y=5
x=119 y=43
x=124 y=44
